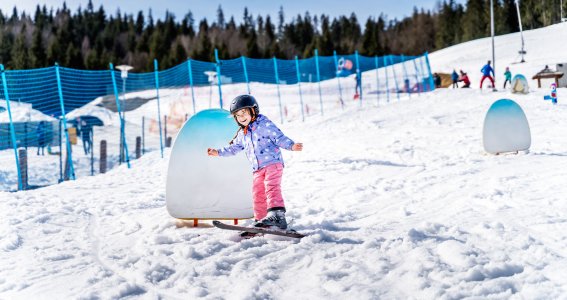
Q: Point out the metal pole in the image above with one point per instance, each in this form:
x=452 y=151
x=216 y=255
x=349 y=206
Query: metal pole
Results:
x=492 y=33
x=319 y=79
x=218 y=76
x=278 y=88
x=12 y=130
x=523 y=51
x=299 y=86
x=69 y=155
x=245 y=73
x=158 y=106
x=190 y=84
x=123 y=140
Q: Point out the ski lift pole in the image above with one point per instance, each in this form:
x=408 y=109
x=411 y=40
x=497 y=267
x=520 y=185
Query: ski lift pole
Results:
x=218 y=76
x=68 y=143
x=318 y=79
x=338 y=77
x=190 y=71
x=492 y=34
x=245 y=73
x=523 y=51
x=123 y=139
x=299 y=86
x=158 y=106
x=387 y=85
x=12 y=129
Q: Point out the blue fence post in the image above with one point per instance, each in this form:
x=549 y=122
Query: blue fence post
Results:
x=395 y=77
x=359 y=74
x=431 y=83
x=68 y=143
x=120 y=115
x=190 y=70
x=377 y=80
x=422 y=73
x=158 y=106
x=319 y=79
x=219 y=76
x=245 y=73
x=417 y=81
x=338 y=79
x=299 y=86
x=387 y=84
x=406 y=79
x=278 y=88
x=12 y=129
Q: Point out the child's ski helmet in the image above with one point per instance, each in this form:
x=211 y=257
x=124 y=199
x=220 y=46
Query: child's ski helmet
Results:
x=243 y=101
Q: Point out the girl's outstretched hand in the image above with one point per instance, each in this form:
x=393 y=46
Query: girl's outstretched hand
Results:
x=297 y=147
x=212 y=152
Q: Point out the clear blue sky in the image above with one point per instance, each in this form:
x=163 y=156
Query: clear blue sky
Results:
x=207 y=9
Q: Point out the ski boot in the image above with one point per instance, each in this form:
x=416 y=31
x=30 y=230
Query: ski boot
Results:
x=275 y=218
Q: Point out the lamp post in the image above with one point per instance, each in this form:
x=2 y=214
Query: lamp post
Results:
x=124 y=74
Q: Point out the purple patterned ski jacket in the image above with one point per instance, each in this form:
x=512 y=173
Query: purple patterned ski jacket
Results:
x=261 y=143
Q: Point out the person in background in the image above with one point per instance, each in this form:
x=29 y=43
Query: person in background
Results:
x=486 y=71
x=455 y=78
x=85 y=130
x=41 y=132
x=507 y=77
x=465 y=79
x=437 y=80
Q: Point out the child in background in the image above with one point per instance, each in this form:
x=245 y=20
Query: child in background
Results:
x=507 y=76
x=261 y=139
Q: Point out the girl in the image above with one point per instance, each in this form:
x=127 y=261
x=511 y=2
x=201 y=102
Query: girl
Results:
x=261 y=140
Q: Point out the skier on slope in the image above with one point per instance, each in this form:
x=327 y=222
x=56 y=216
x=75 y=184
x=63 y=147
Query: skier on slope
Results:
x=261 y=139
x=486 y=70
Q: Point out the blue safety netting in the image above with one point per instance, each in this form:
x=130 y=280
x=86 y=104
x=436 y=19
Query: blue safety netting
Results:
x=60 y=116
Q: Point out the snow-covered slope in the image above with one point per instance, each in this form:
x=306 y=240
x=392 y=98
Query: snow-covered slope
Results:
x=399 y=201
x=542 y=47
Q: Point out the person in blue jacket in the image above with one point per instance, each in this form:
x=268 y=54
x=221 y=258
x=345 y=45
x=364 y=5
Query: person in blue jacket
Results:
x=455 y=78
x=261 y=140
x=486 y=71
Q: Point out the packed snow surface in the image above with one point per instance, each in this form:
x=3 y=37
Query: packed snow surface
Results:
x=399 y=200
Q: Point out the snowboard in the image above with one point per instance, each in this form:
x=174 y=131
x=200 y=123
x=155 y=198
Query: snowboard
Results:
x=287 y=233
x=204 y=187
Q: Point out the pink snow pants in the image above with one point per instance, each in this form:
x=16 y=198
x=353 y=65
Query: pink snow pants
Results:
x=266 y=189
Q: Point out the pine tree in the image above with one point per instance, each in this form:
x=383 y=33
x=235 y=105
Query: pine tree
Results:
x=20 y=58
x=474 y=22
x=37 y=55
